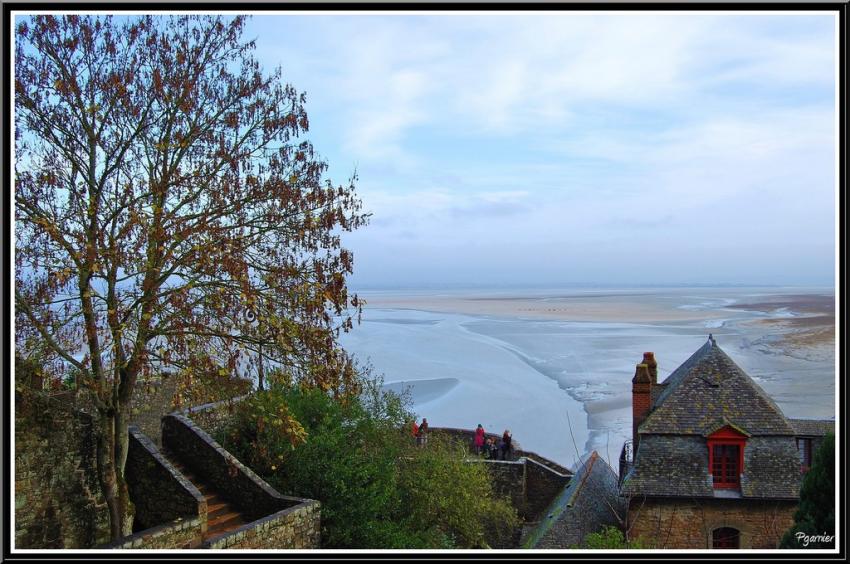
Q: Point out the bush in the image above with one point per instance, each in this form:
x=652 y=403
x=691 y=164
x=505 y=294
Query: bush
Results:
x=612 y=538
x=377 y=489
x=815 y=518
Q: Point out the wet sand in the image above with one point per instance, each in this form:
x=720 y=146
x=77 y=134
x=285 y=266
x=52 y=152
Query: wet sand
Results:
x=624 y=308
x=588 y=342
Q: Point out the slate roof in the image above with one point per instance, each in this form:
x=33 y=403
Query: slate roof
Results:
x=670 y=466
x=708 y=391
x=587 y=504
x=812 y=427
x=677 y=466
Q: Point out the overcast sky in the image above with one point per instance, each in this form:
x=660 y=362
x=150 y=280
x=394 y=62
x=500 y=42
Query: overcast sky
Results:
x=550 y=149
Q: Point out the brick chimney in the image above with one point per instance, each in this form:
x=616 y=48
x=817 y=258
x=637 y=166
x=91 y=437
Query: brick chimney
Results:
x=649 y=360
x=642 y=383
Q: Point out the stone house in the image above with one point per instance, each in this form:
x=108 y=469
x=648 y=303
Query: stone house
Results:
x=713 y=462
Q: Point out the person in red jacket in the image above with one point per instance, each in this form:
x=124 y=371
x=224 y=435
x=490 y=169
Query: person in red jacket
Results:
x=415 y=429
x=479 y=439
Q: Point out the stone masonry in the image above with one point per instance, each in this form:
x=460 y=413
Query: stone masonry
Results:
x=58 y=503
x=160 y=493
x=678 y=523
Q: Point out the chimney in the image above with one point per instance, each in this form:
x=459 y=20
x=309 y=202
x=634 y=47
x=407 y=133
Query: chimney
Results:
x=649 y=361
x=642 y=383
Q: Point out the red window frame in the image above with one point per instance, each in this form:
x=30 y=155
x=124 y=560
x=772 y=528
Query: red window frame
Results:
x=726 y=457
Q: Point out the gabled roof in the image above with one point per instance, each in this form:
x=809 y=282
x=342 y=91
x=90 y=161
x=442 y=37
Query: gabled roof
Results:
x=812 y=427
x=708 y=388
x=588 y=503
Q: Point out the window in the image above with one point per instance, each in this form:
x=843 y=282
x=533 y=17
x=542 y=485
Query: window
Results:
x=725 y=537
x=804 y=448
x=724 y=467
x=726 y=457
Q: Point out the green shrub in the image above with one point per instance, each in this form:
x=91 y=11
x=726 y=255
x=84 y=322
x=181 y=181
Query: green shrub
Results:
x=377 y=489
x=815 y=518
x=612 y=538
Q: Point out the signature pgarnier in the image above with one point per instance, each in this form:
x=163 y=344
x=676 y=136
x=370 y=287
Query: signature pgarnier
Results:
x=806 y=539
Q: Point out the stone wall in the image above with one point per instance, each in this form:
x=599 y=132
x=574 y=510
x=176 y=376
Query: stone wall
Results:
x=153 y=398
x=293 y=528
x=508 y=480
x=531 y=481
x=176 y=534
x=223 y=471
x=159 y=492
x=58 y=503
x=211 y=416
x=542 y=485
x=688 y=523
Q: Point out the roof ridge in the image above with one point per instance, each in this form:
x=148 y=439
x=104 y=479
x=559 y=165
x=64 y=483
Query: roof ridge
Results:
x=672 y=381
x=707 y=376
x=587 y=468
x=758 y=389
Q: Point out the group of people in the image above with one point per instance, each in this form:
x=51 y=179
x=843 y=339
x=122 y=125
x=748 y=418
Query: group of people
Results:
x=420 y=432
x=484 y=445
x=487 y=446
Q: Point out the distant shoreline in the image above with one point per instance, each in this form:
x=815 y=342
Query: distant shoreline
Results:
x=604 y=306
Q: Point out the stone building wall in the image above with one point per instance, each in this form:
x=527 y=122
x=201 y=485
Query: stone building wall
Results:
x=58 y=503
x=688 y=523
x=160 y=493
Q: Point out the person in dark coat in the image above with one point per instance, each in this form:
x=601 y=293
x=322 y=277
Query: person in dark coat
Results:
x=423 y=432
x=506 y=445
x=490 y=451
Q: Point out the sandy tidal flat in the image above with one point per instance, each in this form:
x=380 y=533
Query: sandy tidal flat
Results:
x=555 y=367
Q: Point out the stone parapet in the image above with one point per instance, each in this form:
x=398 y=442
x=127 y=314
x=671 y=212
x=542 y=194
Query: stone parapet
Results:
x=176 y=534
x=159 y=492
x=293 y=528
x=210 y=461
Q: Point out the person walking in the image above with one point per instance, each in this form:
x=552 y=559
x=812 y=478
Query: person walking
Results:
x=506 y=445
x=415 y=430
x=479 y=439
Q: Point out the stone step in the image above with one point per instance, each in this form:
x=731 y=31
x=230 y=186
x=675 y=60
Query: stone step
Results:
x=216 y=509
x=231 y=519
x=221 y=516
x=218 y=533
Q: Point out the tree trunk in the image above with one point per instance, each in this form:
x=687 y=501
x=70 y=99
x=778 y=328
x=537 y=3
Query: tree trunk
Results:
x=112 y=443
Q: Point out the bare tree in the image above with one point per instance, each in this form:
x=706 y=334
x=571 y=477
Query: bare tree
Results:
x=161 y=191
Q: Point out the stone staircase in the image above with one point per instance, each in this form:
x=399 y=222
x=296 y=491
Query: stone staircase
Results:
x=222 y=517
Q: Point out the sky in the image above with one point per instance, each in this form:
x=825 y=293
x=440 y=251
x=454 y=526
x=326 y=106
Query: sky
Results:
x=554 y=149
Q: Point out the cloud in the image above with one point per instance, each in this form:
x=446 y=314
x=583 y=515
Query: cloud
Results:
x=576 y=135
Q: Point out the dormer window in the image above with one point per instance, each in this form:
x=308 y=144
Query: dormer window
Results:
x=726 y=457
